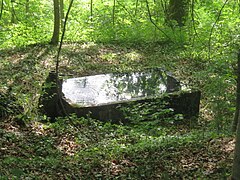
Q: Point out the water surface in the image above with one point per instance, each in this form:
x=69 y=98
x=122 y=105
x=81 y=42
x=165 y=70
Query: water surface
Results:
x=116 y=87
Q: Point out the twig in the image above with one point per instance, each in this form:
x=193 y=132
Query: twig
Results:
x=124 y=7
x=164 y=6
x=150 y=18
x=211 y=31
x=193 y=19
x=136 y=8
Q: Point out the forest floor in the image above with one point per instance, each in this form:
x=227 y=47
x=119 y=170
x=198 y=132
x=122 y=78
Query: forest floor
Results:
x=32 y=148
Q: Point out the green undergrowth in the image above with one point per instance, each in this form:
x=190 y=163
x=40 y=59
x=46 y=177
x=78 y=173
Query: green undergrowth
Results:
x=78 y=148
x=90 y=149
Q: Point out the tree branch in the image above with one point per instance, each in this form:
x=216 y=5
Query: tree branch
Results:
x=150 y=18
x=58 y=82
x=62 y=37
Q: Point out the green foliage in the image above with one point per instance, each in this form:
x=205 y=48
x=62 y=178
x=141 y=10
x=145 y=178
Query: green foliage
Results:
x=127 y=21
x=202 y=54
x=9 y=105
x=92 y=149
x=148 y=111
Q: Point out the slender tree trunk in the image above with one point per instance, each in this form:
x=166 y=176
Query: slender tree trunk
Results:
x=13 y=20
x=113 y=12
x=61 y=40
x=136 y=7
x=62 y=13
x=236 y=161
x=177 y=11
x=1 y=11
x=164 y=6
x=91 y=10
x=56 y=31
x=27 y=7
x=236 y=125
x=236 y=117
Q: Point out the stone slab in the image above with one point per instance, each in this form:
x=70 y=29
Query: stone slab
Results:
x=103 y=96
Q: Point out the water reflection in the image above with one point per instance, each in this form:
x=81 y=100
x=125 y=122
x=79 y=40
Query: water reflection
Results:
x=110 y=88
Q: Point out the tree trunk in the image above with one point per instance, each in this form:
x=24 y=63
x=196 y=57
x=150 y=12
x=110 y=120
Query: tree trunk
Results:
x=236 y=161
x=61 y=13
x=113 y=12
x=91 y=11
x=236 y=117
x=236 y=125
x=136 y=8
x=27 y=7
x=55 y=37
x=1 y=10
x=13 y=20
x=177 y=11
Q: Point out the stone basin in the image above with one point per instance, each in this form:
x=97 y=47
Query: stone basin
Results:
x=104 y=96
x=105 y=89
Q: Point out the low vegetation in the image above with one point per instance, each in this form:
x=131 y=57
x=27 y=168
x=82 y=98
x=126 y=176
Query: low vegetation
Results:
x=197 y=41
x=33 y=148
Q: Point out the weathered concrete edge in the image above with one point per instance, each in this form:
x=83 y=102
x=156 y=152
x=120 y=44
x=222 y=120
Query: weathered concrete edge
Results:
x=183 y=102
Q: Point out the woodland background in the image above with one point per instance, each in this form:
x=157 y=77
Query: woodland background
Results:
x=196 y=40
